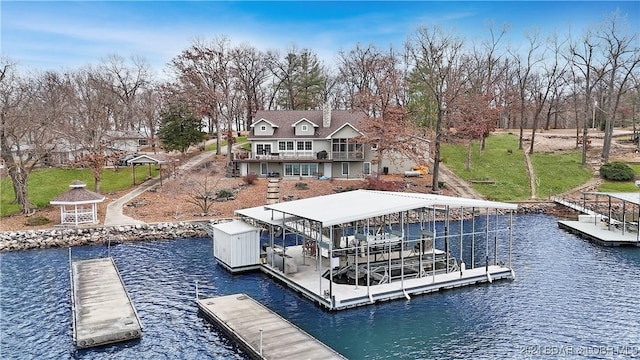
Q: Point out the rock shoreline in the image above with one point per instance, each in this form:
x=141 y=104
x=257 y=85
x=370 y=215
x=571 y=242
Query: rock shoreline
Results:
x=68 y=237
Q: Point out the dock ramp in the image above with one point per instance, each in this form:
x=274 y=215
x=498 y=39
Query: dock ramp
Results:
x=101 y=308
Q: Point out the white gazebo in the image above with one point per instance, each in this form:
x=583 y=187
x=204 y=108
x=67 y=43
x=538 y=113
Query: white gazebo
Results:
x=78 y=205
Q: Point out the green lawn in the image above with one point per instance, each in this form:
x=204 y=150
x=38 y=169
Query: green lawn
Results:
x=503 y=163
x=212 y=146
x=495 y=163
x=46 y=184
x=557 y=173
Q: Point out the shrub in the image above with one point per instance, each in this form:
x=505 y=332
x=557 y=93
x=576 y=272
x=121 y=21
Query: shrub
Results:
x=250 y=178
x=616 y=171
x=224 y=194
x=301 y=186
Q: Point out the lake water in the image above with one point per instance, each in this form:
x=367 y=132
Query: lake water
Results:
x=569 y=298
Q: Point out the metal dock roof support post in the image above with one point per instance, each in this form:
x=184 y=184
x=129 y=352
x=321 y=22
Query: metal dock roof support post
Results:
x=495 y=239
x=433 y=248
x=510 y=237
x=486 y=245
x=473 y=237
x=368 y=262
x=461 y=235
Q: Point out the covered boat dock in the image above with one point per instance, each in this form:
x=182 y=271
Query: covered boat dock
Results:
x=363 y=246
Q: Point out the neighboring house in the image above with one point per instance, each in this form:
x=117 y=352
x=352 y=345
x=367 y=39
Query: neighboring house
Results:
x=313 y=143
x=127 y=141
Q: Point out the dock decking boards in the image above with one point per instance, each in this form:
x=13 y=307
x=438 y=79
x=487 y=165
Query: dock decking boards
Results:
x=599 y=233
x=242 y=318
x=102 y=310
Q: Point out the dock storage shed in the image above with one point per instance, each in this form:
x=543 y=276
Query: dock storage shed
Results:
x=236 y=245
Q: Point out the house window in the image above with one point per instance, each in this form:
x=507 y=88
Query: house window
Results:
x=306 y=170
x=300 y=145
x=263 y=169
x=345 y=168
x=290 y=145
x=305 y=128
x=366 y=168
x=285 y=145
x=263 y=149
x=142 y=142
x=339 y=145
x=308 y=145
x=263 y=128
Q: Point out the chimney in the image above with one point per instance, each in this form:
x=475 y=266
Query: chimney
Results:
x=326 y=115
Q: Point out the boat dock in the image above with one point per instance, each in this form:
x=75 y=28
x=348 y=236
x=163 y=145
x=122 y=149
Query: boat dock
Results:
x=616 y=226
x=260 y=332
x=599 y=231
x=101 y=308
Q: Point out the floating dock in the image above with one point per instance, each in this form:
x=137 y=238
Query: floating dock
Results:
x=601 y=232
x=101 y=308
x=260 y=332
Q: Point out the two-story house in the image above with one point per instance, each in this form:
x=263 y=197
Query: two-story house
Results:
x=313 y=143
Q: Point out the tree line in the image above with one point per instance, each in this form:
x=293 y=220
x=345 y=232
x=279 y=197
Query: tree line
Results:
x=437 y=86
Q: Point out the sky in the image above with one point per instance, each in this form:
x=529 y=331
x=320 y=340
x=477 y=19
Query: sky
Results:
x=59 y=35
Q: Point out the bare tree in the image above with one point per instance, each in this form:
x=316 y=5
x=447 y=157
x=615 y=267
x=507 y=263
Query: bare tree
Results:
x=583 y=57
x=90 y=120
x=524 y=70
x=434 y=54
x=14 y=135
x=250 y=72
x=622 y=57
x=377 y=83
x=126 y=82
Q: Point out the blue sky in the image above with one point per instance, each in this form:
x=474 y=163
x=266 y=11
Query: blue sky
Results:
x=62 y=35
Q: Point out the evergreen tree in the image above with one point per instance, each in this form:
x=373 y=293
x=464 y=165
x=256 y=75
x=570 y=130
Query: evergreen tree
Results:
x=179 y=129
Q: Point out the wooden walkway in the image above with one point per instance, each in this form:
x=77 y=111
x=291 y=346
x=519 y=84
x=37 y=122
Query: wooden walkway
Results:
x=260 y=332
x=102 y=310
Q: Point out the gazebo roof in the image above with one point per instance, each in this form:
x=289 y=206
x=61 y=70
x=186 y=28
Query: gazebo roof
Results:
x=78 y=195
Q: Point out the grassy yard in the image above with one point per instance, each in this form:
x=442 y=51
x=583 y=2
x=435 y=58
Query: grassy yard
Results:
x=557 y=173
x=46 y=184
x=504 y=164
x=495 y=163
x=212 y=146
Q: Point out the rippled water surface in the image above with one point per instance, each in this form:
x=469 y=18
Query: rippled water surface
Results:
x=569 y=297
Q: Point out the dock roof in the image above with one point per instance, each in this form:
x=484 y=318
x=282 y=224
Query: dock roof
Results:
x=355 y=205
x=632 y=197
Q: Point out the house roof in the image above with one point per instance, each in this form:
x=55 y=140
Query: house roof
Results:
x=283 y=119
x=77 y=195
x=362 y=204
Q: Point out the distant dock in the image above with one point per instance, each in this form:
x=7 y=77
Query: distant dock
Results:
x=599 y=232
x=618 y=226
x=260 y=332
x=101 y=307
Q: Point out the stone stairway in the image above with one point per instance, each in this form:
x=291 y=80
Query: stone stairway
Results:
x=273 y=191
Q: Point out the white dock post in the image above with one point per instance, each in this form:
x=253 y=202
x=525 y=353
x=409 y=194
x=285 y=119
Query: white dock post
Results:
x=260 y=341
x=197 y=296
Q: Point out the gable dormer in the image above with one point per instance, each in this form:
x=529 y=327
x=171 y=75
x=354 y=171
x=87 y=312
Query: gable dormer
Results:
x=304 y=127
x=263 y=127
x=345 y=131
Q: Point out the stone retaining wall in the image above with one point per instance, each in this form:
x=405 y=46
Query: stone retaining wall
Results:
x=67 y=237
